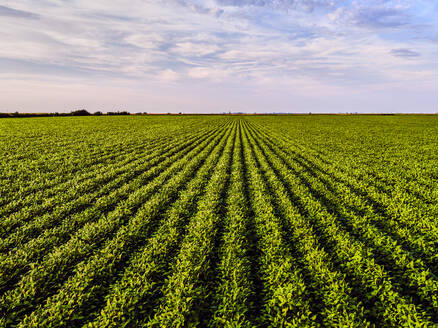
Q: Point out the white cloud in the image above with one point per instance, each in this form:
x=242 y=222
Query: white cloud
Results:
x=213 y=74
x=224 y=46
x=169 y=75
x=191 y=49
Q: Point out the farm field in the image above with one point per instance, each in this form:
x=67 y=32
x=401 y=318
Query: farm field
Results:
x=219 y=221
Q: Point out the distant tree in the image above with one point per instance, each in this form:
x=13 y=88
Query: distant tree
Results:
x=98 y=113
x=80 y=112
x=118 y=113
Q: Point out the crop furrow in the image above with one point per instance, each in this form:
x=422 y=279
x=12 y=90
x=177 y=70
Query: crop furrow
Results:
x=405 y=238
x=232 y=301
x=69 y=203
x=147 y=271
x=405 y=269
x=104 y=266
x=286 y=300
x=369 y=278
x=14 y=264
x=186 y=290
x=407 y=211
x=44 y=277
x=59 y=178
x=85 y=202
x=337 y=306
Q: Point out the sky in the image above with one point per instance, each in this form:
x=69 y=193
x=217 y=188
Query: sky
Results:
x=215 y=56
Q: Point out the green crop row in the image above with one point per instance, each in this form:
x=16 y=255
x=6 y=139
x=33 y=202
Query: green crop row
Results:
x=56 y=266
x=13 y=263
x=219 y=221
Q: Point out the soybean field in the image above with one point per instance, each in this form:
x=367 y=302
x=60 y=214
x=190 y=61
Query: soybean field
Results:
x=219 y=221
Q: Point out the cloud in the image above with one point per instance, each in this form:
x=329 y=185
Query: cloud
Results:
x=195 y=49
x=381 y=17
x=10 y=12
x=230 y=47
x=404 y=53
x=307 y=5
x=168 y=75
x=200 y=7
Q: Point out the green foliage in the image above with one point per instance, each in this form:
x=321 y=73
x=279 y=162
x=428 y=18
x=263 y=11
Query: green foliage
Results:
x=219 y=221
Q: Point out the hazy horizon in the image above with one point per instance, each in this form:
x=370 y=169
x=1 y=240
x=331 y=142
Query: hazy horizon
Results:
x=214 y=56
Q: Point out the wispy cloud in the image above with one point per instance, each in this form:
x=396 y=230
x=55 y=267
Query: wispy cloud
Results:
x=306 y=5
x=381 y=17
x=235 y=48
x=11 y=12
x=404 y=53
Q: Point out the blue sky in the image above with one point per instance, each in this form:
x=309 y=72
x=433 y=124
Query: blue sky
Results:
x=219 y=55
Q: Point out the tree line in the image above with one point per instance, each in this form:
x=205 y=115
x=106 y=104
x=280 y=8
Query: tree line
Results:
x=80 y=112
